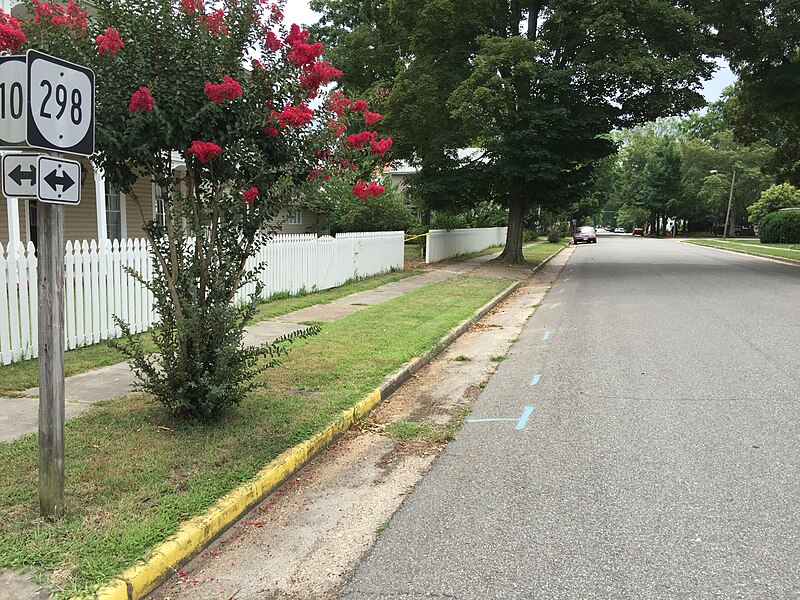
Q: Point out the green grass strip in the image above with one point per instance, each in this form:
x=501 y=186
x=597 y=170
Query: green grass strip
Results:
x=133 y=475
x=25 y=374
x=536 y=253
x=749 y=248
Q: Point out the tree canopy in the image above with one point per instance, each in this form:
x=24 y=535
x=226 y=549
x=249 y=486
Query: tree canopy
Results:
x=536 y=99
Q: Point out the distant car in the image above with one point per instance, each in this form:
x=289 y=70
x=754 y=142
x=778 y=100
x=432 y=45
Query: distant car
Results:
x=619 y=230
x=585 y=234
x=638 y=231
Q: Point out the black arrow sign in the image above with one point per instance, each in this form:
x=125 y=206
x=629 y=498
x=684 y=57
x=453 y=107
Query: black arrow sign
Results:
x=18 y=175
x=65 y=181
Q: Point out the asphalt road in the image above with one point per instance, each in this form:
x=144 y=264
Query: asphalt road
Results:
x=660 y=459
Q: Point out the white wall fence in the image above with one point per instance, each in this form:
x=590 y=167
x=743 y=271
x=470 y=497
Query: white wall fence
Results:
x=444 y=243
x=97 y=287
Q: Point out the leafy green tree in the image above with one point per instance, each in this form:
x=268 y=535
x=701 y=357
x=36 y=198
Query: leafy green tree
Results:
x=772 y=199
x=724 y=155
x=630 y=216
x=347 y=212
x=537 y=99
x=540 y=104
x=649 y=176
x=228 y=146
x=761 y=41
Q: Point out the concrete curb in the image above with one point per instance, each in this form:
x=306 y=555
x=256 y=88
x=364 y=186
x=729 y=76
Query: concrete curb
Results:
x=194 y=535
x=776 y=259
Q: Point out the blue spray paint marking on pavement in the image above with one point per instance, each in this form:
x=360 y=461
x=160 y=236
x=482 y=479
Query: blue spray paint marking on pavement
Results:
x=521 y=422
x=546 y=336
x=535 y=379
x=524 y=418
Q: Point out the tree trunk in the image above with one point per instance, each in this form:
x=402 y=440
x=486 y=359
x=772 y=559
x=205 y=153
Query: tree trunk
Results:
x=512 y=253
x=653 y=230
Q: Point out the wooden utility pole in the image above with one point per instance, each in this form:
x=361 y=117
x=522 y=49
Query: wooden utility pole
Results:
x=50 y=265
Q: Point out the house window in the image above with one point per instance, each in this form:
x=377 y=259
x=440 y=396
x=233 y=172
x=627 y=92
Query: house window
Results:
x=113 y=212
x=158 y=205
x=296 y=217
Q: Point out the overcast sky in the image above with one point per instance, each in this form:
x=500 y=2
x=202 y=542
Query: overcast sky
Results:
x=297 y=11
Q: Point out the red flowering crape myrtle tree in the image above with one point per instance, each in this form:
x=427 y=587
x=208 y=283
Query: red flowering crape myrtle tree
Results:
x=212 y=102
x=352 y=147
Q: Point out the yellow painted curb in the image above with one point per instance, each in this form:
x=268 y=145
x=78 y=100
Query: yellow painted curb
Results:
x=196 y=533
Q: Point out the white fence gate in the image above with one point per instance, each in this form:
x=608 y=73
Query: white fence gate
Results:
x=97 y=286
x=446 y=243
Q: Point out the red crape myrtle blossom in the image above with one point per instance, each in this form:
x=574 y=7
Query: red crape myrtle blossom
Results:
x=359 y=106
x=229 y=89
x=275 y=13
x=338 y=103
x=319 y=172
x=70 y=15
x=337 y=128
x=192 y=7
x=214 y=23
x=302 y=53
x=316 y=75
x=272 y=42
x=141 y=101
x=357 y=140
x=380 y=147
x=305 y=54
x=258 y=66
x=370 y=118
x=11 y=36
x=249 y=195
x=204 y=151
x=362 y=190
x=271 y=131
x=296 y=35
x=109 y=42
x=293 y=116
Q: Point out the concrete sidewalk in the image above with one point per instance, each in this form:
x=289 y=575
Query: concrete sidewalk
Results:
x=19 y=415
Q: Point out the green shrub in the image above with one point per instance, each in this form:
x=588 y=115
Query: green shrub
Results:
x=446 y=220
x=346 y=212
x=782 y=227
x=773 y=199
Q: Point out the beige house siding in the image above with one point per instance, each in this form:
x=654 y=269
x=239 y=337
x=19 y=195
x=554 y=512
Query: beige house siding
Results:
x=143 y=189
x=80 y=222
x=309 y=222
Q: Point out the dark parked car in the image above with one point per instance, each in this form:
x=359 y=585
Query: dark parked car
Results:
x=585 y=234
x=638 y=231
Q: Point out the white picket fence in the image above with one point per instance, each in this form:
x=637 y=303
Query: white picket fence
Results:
x=97 y=286
x=446 y=243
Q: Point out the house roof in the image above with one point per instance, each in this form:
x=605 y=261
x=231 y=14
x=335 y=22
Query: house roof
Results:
x=402 y=167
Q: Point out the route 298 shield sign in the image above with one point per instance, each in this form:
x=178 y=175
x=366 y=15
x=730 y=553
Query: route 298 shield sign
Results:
x=60 y=113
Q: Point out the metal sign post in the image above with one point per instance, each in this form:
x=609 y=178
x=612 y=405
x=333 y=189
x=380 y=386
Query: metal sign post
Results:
x=59 y=117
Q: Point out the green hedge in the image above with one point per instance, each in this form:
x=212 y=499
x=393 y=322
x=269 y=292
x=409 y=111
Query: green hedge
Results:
x=781 y=227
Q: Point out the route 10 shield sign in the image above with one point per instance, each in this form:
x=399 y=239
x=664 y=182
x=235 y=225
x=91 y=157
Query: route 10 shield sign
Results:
x=60 y=108
x=13 y=82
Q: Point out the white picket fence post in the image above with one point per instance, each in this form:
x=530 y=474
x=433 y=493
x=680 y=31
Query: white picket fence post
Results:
x=97 y=287
x=446 y=243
